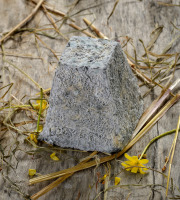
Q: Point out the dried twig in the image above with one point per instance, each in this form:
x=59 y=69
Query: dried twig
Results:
x=141 y=75
x=51 y=9
x=99 y=34
x=46 y=46
x=23 y=22
x=114 y=7
x=154 y=36
x=9 y=87
x=66 y=17
x=82 y=30
x=167 y=4
x=23 y=73
x=172 y=155
x=53 y=22
x=108 y=158
x=156 y=104
x=19 y=55
x=59 y=180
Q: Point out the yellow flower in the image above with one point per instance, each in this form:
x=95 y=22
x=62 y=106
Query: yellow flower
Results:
x=33 y=137
x=134 y=164
x=32 y=172
x=104 y=177
x=117 y=180
x=37 y=106
x=102 y=180
x=54 y=157
x=40 y=128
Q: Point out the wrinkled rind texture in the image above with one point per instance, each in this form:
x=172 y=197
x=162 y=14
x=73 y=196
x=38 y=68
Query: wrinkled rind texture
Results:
x=95 y=103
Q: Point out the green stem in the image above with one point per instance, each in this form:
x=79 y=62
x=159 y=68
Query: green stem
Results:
x=154 y=139
x=40 y=109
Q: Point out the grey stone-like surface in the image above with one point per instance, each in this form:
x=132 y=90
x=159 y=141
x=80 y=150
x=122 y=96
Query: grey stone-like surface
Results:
x=95 y=102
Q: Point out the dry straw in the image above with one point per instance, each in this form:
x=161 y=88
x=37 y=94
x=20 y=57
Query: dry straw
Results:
x=108 y=158
x=163 y=64
x=23 y=22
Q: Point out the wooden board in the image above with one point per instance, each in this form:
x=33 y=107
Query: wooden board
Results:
x=133 y=18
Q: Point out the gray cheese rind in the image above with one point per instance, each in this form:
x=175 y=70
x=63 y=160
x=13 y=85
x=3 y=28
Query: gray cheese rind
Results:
x=95 y=103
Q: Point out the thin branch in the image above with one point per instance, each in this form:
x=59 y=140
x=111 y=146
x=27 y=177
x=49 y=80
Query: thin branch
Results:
x=46 y=46
x=59 y=180
x=23 y=73
x=53 y=10
x=53 y=22
x=82 y=30
x=22 y=22
x=172 y=155
x=98 y=33
x=111 y=157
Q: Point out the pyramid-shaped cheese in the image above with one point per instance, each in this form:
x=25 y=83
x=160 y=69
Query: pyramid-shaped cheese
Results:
x=95 y=102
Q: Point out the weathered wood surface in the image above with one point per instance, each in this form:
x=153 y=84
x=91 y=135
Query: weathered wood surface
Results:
x=135 y=19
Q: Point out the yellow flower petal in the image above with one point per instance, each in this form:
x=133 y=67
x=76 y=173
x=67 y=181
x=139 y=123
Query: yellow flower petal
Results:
x=32 y=172
x=37 y=106
x=33 y=137
x=144 y=161
x=128 y=157
x=128 y=162
x=104 y=176
x=44 y=105
x=134 y=170
x=117 y=180
x=135 y=158
x=141 y=171
x=54 y=157
x=128 y=168
x=124 y=165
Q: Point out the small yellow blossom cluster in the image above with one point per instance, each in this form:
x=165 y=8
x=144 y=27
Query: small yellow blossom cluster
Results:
x=32 y=172
x=37 y=106
x=33 y=136
x=134 y=164
x=116 y=180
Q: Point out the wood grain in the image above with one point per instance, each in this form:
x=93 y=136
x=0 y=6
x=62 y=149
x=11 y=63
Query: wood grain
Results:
x=133 y=18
